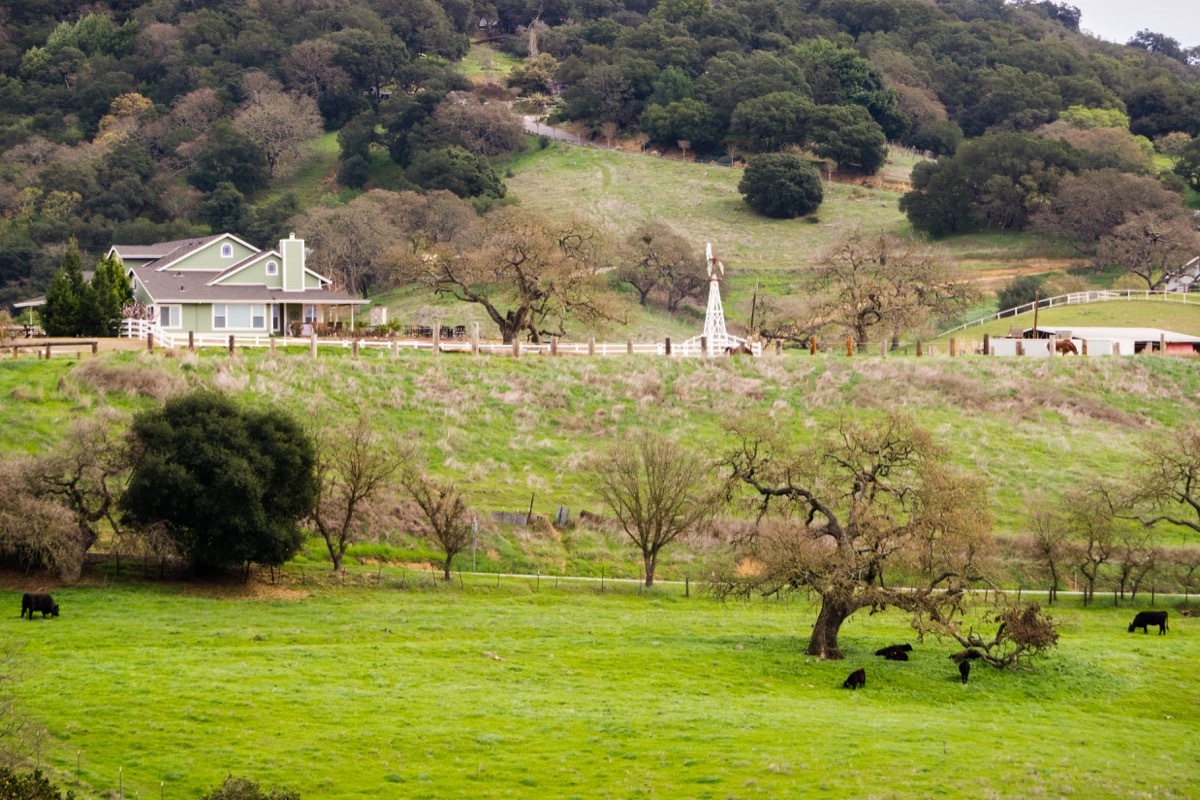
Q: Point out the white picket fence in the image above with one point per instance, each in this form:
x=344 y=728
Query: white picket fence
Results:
x=175 y=340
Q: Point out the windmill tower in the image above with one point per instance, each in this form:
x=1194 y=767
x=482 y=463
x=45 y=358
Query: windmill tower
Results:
x=719 y=340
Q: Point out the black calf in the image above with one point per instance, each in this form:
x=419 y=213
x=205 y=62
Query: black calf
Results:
x=964 y=669
x=895 y=652
x=857 y=680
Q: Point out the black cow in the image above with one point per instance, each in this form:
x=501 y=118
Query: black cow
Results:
x=964 y=669
x=1145 y=619
x=895 y=652
x=38 y=602
x=857 y=680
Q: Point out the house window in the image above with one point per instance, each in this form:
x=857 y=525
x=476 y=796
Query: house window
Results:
x=226 y=251
x=310 y=314
x=170 y=316
x=239 y=316
x=275 y=318
x=272 y=268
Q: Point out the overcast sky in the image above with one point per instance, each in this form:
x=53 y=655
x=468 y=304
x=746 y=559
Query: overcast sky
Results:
x=1118 y=20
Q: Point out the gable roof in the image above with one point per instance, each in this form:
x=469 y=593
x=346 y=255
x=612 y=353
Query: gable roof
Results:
x=167 y=254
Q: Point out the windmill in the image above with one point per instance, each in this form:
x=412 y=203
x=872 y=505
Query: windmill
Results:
x=719 y=340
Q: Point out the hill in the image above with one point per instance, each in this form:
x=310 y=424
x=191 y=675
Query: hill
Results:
x=517 y=432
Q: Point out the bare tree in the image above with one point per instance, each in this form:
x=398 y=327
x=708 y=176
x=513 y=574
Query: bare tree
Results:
x=355 y=468
x=868 y=281
x=1135 y=556
x=1049 y=544
x=654 y=257
x=444 y=510
x=1153 y=245
x=36 y=532
x=279 y=124
x=529 y=274
x=309 y=68
x=86 y=474
x=1090 y=516
x=1186 y=561
x=1168 y=488
x=866 y=495
x=658 y=490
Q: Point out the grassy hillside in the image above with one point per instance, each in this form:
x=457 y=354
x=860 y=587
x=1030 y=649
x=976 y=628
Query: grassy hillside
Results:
x=701 y=201
x=439 y=692
x=516 y=430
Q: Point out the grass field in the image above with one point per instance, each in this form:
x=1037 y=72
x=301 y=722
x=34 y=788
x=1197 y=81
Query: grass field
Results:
x=445 y=692
x=513 y=431
x=622 y=190
x=1169 y=315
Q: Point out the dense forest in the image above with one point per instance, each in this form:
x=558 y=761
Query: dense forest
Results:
x=137 y=122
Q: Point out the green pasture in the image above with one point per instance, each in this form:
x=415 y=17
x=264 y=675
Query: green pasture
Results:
x=486 y=64
x=623 y=190
x=422 y=691
x=516 y=431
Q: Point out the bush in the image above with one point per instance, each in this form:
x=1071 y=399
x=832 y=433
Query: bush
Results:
x=354 y=172
x=30 y=786
x=246 y=789
x=782 y=186
x=1023 y=289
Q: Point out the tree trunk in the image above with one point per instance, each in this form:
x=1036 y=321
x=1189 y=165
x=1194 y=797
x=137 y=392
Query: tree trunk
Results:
x=824 y=643
x=651 y=561
x=337 y=559
x=446 y=567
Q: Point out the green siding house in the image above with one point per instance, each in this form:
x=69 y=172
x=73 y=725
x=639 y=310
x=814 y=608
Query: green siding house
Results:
x=222 y=285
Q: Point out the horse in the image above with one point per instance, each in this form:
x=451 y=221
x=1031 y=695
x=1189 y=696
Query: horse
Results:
x=740 y=350
x=1065 y=347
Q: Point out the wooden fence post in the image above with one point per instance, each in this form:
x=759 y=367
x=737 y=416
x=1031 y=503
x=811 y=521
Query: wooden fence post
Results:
x=1083 y=348
x=704 y=347
x=987 y=344
x=354 y=348
x=849 y=346
x=47 y=352
x=1020 y=348
x=395 y=349
x=191 y=341
x=812 y=345
x=883 y=349
x=668 y=345
x=272 y=347
x=516 y=347
x=1162 y=344
x=474 y=338
x=149 y=342
x=231 y=344
x=953 y=348
x=629 y=346
x=919 y=351
x=95 y=348
x=312 y=345
x=779 y=347
x=437 y=337
x=553 y=345
x=591 y=345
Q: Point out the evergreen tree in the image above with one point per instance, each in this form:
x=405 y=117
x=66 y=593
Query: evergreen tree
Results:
x=111 y=292
x=68 y=298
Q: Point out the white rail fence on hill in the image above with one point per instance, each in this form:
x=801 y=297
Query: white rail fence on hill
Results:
x=147 y=330
x=1077 y=298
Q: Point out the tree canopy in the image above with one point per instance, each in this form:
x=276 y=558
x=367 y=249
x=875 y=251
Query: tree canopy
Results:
x=229 y=484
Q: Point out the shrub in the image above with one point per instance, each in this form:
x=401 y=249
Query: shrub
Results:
x=246 y=789
x=782 y=186
x=29 y=786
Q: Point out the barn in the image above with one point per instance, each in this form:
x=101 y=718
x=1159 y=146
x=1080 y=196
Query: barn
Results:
x=1100 y=341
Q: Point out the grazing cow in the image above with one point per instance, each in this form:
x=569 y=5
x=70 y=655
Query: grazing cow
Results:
x=1145 y=619
x=857 y=680
x=38 y=602
x=964 y=669
x=895 y=652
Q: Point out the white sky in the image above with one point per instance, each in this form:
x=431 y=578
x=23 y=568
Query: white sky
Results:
x=1119 y=20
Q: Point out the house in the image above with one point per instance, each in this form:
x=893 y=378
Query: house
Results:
x=220 y=284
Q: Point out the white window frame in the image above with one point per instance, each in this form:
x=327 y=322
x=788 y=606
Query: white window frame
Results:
x=310 y=315
x=274 y=317
x=272 y=268
x=174 y=316
x=227 y=250
x=255 y=313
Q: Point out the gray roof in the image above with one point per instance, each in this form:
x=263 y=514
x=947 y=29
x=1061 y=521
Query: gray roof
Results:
x=192 y=286
x=163 y=251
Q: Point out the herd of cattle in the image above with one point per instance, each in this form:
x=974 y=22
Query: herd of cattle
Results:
x=899 y=652
x=856 y=680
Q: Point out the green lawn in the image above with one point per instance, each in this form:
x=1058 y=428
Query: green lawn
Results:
x=1169 y=315
x=449 y=692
